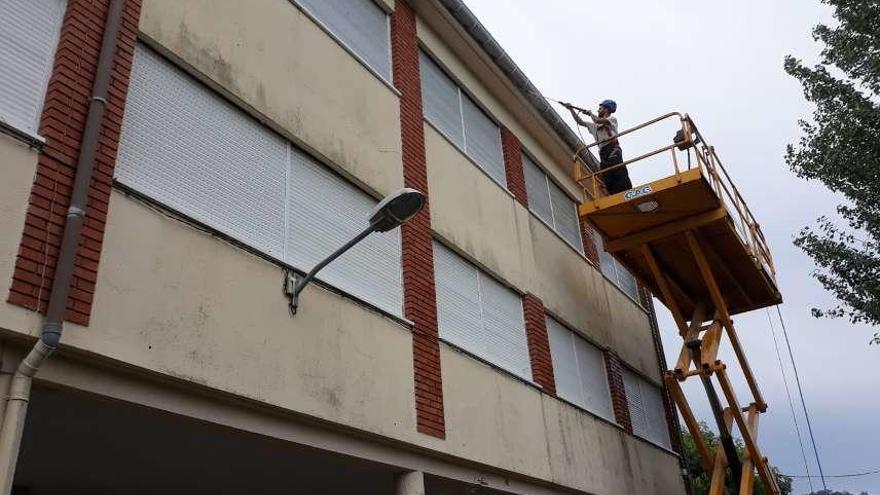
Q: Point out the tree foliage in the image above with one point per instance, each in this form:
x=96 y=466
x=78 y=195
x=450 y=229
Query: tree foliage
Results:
x=841 y=149
x=700 y=479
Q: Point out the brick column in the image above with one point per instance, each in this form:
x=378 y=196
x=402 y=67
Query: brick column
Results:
x=614 y=368
x=420 y=302
x=513 y=166
x=590 y=249
x=539 y=343
x=62 y=123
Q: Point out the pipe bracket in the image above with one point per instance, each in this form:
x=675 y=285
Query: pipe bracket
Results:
x=75 y=211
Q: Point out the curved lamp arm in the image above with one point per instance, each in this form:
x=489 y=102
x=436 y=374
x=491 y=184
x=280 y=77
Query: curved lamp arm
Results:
x=301 y=282
x=394 y=210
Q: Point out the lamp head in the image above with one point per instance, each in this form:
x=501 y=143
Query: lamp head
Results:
x=396 y=209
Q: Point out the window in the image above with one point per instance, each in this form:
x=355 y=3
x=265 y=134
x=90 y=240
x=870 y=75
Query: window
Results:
x=460 y=119
x=189 y=149
x=646 y=411
x=579 y=369
x=480 y=315
x=616 y=271
x=29 y=31
x=361 y=25
x=550 y=203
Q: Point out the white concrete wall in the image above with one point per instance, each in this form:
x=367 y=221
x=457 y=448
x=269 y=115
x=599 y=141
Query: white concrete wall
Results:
x=175 y=302
x=18 y=165
x=554 y=441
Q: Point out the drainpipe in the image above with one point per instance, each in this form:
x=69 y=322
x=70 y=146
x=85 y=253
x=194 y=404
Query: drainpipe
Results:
x=50 y=333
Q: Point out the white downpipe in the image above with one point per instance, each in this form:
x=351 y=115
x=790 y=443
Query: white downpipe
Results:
x=16 y=412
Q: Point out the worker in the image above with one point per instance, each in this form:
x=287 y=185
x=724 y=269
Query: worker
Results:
x=603 y=127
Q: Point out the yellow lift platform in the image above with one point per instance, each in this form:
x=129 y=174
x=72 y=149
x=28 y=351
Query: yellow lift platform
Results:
x=691 y=239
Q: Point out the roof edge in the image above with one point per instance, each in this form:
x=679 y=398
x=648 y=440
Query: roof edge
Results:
x=463 y=15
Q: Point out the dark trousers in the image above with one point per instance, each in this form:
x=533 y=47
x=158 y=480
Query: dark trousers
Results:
x=616 y=180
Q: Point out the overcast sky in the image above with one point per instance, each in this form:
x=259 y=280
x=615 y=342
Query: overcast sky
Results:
x=722 y=63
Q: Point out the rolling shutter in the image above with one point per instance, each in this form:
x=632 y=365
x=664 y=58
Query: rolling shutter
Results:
x=442 y=101
x=565 y=368
x=29 y=31
x=361 y=25
x=324 y=212
x=550 y=203
x=536 y=190
x=565 y=217
x=480 y=315
x=637 y=414
x=194 y=152
x=626 y=281
x=646 y=411
x=579 y=369
x=616 y=271
x=461 y=120
x=657 y=428
x=482 y=140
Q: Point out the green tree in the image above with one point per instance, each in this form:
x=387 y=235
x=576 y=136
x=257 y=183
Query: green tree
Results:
x=841 y=149
x=700 y=479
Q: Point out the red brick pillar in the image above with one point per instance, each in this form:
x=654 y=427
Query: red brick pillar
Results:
x=513 y=166
x=614 y=368
x=420 y=302
x=62 y=124
x=539 y=343
x=590 y=249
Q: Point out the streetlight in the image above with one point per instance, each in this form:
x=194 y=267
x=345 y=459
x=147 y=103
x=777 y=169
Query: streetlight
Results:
x=394 y=210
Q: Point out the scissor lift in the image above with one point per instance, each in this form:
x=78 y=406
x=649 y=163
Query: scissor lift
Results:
x=693 y=241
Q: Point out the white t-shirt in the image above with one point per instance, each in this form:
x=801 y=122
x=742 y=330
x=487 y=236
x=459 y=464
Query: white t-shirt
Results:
x=601 y=133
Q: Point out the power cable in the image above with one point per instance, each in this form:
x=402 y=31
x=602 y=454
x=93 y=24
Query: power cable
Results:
x=851 y=475
x=797 y=428
x=803 y=402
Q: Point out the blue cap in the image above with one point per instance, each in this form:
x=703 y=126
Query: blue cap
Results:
x=610 y=105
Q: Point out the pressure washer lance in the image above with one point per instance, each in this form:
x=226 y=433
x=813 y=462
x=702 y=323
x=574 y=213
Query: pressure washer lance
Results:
x=569 y=106
x=566 y=105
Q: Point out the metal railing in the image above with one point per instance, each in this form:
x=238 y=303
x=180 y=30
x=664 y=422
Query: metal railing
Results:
x=699 y=154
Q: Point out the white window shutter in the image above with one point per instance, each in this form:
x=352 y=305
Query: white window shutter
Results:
x=29 y=31
x=361 y=25
x=537 y=191
x=482 y=139
x=441 y=100
x=194 y=152
x=565 y=217
x=579 y=369
x=458 y=298
x=191 y=150
x=614 y=270
x=637 y=414
x=324 y=212
x=656 y=414
x=646 y=411
x=565 y=368
x=626 y=281
x=594 y=379
x=480 y=315
x=606 y=261
x=504 y=327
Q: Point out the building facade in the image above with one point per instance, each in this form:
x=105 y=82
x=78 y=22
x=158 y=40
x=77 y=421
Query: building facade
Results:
x=489 y=345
